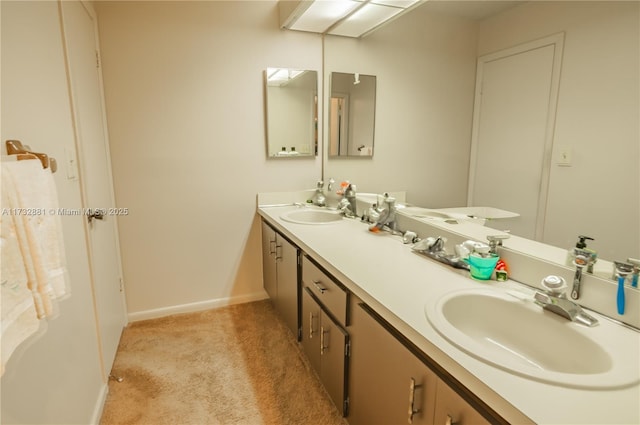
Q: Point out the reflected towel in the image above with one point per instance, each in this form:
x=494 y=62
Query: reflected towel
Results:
x=31 y=195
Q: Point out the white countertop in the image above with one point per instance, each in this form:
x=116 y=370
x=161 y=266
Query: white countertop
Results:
x=397 y=283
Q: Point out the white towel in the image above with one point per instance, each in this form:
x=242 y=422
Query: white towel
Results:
x=32 y=198
x=19 y=317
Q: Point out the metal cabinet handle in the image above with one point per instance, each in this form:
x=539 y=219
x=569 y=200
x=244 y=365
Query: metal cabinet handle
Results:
x=412 y=394
x=97 y=214
x=311 y=331
x=278 y=256
x=322 y=346
x=319 y=286
x=272 y=247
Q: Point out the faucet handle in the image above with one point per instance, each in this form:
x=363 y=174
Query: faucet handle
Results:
x=635 y=263
x=496 y=240
x=389 y=200
x=555 y=285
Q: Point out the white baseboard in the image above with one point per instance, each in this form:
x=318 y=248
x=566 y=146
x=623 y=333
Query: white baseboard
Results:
x=197 y=306
x=99 y=407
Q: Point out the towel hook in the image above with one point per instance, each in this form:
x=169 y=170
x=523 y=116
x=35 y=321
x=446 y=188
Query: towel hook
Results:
x=15 y=147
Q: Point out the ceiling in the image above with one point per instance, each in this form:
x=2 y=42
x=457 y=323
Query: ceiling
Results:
x=471 y=9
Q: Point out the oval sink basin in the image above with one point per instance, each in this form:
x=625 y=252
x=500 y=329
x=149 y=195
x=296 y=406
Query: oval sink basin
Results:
x=520 y=337
x=312 y=216
x=440 y=215
x=419 y=212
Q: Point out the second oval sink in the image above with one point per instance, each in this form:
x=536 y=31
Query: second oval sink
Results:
x=519 y=336
x=312 y=216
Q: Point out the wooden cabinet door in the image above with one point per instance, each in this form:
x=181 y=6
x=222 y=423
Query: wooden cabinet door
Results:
x=287 y=278
x=311 y=329
x=452 y=409
x=387 y=383
x=268 y=261
x=324 y=342
x=333 y=360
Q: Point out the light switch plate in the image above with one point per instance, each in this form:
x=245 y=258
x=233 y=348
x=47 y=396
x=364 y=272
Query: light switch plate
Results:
x=71 y=163
x=564 y=155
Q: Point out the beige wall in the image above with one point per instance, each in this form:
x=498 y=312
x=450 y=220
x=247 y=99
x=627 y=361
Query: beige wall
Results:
x=426 y=80
x=184 y=93
x=598 y=117
x=425 y=69
x=54 y=378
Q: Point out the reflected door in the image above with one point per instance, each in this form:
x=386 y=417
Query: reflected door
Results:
x=339 y=125
x=513 y=125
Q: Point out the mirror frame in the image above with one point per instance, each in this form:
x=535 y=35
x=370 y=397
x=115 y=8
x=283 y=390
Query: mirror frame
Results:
x=352 y=116
x=282 y=112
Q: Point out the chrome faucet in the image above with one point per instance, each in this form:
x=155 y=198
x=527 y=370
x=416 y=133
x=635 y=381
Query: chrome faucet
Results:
x=318 y=199
x=387 y=214
x=495 y=241
x=555 y=300
x=348 y=202
x=434 y=248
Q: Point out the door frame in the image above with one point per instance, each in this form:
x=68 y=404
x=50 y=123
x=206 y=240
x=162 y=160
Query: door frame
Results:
x=557 y=41
x=78 y=143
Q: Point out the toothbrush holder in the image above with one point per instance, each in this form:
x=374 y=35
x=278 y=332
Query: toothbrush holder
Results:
x=481 y=268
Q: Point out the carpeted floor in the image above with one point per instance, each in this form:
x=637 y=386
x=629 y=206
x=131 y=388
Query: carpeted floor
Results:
x=234 y=365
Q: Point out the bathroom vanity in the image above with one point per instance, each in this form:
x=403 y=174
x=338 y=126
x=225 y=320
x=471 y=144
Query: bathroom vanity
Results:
x=362 y=307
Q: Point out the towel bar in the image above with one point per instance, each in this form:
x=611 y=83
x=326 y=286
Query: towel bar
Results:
x=15 y=147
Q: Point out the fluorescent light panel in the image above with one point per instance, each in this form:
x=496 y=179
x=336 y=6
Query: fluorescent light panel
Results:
x=324 y=13
x=350 y=18
x=364 y=19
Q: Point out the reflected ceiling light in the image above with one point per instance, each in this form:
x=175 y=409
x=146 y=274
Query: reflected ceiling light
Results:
x=349 y=18
x=281 y=76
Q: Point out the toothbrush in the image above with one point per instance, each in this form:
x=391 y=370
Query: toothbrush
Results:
x=620 y=298
x=622 y=270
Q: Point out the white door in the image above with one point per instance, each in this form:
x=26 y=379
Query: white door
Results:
x=95 y=171
x=339 y=124
x=513 y=131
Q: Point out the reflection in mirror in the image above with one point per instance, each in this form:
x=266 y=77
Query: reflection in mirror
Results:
x=592 y=173
x=352 y=114
x=291 y=112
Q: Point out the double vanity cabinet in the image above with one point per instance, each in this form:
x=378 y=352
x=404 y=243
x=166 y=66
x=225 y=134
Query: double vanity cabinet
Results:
x=372 y=374
x=399 y=338
x=393 y=383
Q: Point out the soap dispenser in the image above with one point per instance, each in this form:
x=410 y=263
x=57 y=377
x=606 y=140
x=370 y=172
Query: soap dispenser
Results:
x=580 y=245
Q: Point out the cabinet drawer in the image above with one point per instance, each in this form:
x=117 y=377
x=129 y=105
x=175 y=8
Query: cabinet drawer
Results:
x=332 y=296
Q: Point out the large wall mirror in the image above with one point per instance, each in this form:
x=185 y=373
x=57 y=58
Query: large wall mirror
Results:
x=352 y=107
x=291 y=108
x=428 y=59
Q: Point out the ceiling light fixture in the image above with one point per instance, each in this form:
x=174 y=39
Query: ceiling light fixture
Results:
x=349 y=18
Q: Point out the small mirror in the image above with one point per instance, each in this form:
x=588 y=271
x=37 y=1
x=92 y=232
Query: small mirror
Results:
x=352 y=109
x=291 y=112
